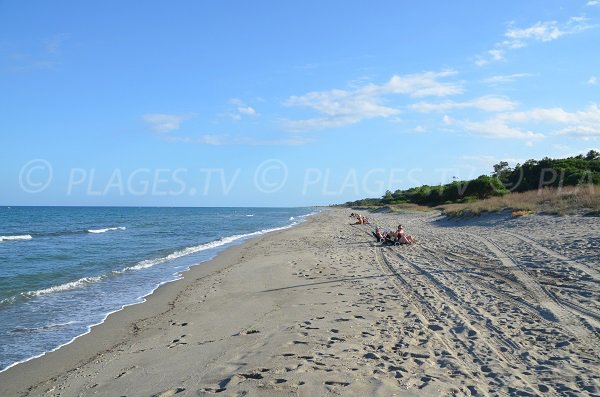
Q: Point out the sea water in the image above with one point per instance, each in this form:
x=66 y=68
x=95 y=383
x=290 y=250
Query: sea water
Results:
x=64 y=269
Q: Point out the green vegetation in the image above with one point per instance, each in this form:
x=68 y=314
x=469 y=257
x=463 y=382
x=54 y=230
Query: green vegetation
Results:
x=547 y=172
x=487 y=193
x=557 y=201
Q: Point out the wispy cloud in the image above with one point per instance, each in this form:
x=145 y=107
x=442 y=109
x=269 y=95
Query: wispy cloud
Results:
x=478 y=157
x=340 y=107
x=53 y=45
x=241 y=109
x=504 y=79
x=592 y=80
x=162 y=122
x=593 y=3
x=488 y=161
x=498 y=128
x=540 y=31
x=557 y=121
x=421 y=85
x=488 y=103
x=46 y=54
x=546 y=31
x=225 y=139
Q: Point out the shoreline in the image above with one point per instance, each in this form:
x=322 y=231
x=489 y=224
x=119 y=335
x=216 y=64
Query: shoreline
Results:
x=107 y=330
x=494 y=306
x=221 y=245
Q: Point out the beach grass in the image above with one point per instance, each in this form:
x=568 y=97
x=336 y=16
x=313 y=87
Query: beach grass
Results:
x=556 y=201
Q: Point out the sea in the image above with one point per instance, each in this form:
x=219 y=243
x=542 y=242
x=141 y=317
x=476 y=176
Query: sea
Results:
x=65 y=269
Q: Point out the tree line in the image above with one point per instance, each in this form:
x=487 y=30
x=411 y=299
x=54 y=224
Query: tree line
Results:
x=531 y=175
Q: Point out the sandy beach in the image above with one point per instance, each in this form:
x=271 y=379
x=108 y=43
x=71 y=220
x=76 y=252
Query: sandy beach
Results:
x=485 y=306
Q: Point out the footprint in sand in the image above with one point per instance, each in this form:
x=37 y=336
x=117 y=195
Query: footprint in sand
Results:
x=177 y=342
x=336 y=383
x=169 y=393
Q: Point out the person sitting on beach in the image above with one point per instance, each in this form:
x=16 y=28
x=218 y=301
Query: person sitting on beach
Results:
x=378 y=234
x=361 y=220
x=390 y=236
x=402 y=237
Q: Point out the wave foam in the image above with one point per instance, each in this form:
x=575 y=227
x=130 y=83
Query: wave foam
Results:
x=65 y=287
x=202 y=247
x=44 y=327
x=16 y=238
x=108 y=229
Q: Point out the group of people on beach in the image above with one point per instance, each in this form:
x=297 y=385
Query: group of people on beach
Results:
x=360 y=220
x=397 y=236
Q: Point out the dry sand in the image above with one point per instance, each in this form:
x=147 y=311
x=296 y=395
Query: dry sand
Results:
x=489 y=306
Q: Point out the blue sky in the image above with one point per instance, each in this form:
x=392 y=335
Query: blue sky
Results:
x=275 y=103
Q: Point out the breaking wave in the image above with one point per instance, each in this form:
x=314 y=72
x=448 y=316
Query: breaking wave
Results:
x=15 y=238
x=108 y=229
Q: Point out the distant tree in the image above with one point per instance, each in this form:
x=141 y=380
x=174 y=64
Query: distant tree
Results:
x=502 y=171
x=500 y=167
x=592 y=155
x=484 y=187
x=387 y=197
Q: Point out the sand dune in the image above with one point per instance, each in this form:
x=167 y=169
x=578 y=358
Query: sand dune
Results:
x=487 y=306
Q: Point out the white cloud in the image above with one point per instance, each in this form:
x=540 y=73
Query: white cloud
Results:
x=593 y=80
x=247 y=110
x=502 y=79
x=421 y=85
x=224 y=139
x=541 y=31
x=593 y=3
x=497 y=55
x=589 y=117
x=161 y=122
x=344 y=107
x=583 y=123
x=242 y=109
x=420 y=129
x=544 y=32
x=343 y=103
x=496 y=128
x=488 y=103
x=207 y=139
x=319 y=123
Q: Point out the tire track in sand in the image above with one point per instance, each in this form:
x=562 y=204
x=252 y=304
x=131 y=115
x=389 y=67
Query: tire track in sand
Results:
x=425 y=312
x=503 y=348
x=549 y=305
x=579 y=266
x=475 y=350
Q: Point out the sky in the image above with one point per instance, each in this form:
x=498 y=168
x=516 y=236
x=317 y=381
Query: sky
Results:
x=281 y=103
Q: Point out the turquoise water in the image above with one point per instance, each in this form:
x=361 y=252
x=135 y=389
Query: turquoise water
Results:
x=63 y=269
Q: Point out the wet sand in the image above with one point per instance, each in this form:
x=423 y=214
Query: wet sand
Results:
x=487 y=306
